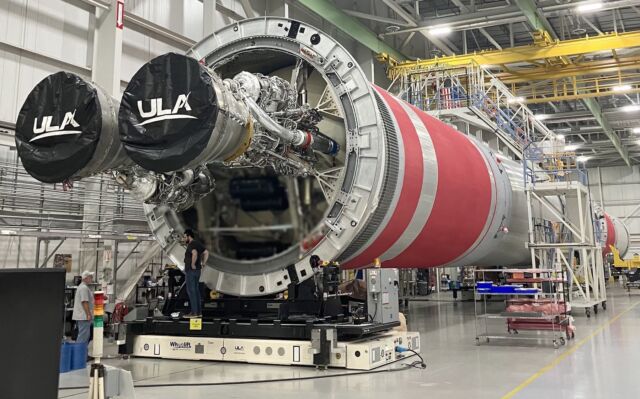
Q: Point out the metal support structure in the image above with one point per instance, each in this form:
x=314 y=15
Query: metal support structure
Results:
x=615 y=67
x=118 y=266
x=44 y=263
x=595 y=109
x=465 y=10
x=351 y=26
x=567 y=239
x=376 y=18
x=397 y=8
x=537 y=20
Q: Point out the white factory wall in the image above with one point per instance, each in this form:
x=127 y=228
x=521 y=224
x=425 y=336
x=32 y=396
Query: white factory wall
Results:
x=56 y=29
x=620 y=195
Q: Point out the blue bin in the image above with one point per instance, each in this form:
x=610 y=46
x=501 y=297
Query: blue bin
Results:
x=65 y=358
x=78 y=356
x=505 y=289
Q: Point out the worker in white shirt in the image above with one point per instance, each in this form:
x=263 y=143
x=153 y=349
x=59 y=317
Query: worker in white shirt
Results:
x=83 y=308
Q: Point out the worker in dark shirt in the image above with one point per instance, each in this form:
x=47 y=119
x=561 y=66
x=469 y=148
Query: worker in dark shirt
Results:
x=195 y=256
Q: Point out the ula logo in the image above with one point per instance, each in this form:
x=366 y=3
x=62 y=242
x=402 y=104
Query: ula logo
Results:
x=45 y=129
x=156 y=113
x=239 y=348
x=180 y=345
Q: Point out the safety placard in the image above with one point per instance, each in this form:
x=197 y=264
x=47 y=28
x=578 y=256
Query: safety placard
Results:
x=120 y=14
x=195 y=324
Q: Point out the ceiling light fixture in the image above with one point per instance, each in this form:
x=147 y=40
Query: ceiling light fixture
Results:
x=515 y=100
x=588 y=6
x=542 y=117
x=631 y=108
x=583 y=158
x=440 y=30
x=571 y=147
x=636 y=130
x=560 y=136
x=621 y=88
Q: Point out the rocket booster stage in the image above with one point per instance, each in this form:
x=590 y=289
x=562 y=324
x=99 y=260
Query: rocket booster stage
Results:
x=399 y=184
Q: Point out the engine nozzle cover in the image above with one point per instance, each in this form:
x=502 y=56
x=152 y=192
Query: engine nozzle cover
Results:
x=167 y=113
x=58 y=127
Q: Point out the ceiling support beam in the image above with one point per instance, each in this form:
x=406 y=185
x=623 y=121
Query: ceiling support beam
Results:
x=465 y=10
x=446 y=48
x=596 y=110
x=351 y=26
x=376 y=18
x=535 y=18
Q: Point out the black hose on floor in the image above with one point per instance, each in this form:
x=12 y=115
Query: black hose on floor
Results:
x=406 y=366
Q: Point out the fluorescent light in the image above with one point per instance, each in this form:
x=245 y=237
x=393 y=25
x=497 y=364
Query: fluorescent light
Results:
x=571 y=147
x=631 y=108
x=440 y=30
x=542 y=117
x=560 y=136
x=515 y=100
x=583 y=158
x=636 y=130
x=589 y=6
x=621 y=88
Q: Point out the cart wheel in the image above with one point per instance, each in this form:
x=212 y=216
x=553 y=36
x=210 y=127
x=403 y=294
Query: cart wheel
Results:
x=562 y=341
x=588 y=312
x=555 y=344
x=125 y=357
x=573 y=335
x=477 y=341
x=595 y=308
x=488 y=340
x=515 y=331
x=604 y=305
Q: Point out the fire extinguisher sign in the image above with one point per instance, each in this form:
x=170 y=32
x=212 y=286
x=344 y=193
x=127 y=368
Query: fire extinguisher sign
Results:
x=120 y=14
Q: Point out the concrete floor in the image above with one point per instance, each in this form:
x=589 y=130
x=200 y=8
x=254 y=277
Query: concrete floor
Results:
x=599 y=363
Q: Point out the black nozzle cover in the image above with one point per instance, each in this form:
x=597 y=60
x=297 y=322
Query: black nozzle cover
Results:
x=167 y=113
x=58 y=127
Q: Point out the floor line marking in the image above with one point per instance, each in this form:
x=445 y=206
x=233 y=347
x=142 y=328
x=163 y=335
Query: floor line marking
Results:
x=566 y=353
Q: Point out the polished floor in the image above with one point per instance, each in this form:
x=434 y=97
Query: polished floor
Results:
x=600 y=363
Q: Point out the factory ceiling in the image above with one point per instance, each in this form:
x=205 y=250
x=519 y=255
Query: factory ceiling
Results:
x=589 y=92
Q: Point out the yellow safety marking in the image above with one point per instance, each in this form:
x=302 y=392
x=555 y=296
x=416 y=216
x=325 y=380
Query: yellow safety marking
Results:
x=566 y=353
x=195 y=324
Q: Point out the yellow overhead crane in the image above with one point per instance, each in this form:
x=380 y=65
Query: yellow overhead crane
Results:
x=548 y=60
x=543 y=48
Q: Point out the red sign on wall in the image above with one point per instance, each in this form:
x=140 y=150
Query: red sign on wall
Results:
x=120 y=14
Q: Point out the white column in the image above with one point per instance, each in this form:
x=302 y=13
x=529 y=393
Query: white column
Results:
x=107 y=52
x=210 y=14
